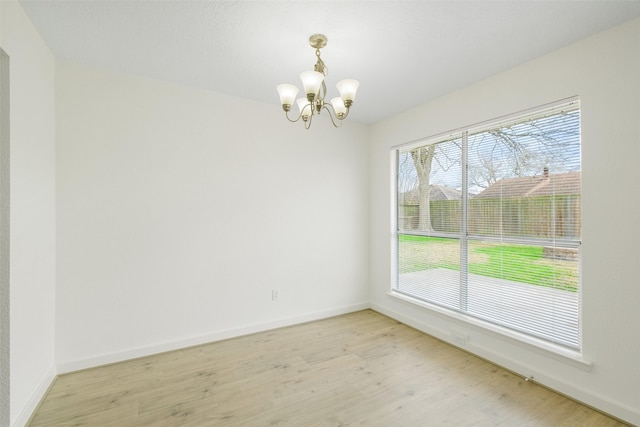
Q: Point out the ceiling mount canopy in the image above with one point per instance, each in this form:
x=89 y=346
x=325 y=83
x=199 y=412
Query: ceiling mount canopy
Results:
x=315 y=90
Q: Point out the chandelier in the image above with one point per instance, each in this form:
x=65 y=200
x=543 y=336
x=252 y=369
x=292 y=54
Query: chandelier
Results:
x=316 y=90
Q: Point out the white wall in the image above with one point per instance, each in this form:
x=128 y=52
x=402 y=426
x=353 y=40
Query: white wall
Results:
x=179 y=210
x=5 y=244
x=603 y=70
x=32 y=210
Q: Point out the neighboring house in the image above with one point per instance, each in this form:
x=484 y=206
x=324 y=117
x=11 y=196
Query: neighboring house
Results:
x=438 y=192
x=532 y=186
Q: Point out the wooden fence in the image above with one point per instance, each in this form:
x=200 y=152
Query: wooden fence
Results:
x=543 y=217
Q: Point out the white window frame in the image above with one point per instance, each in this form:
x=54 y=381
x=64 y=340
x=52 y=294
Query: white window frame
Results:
x=573 y=353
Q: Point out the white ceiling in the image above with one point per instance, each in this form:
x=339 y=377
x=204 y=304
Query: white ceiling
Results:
x=404 y=53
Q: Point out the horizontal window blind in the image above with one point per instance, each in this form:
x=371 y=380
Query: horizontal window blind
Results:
x=489 y=223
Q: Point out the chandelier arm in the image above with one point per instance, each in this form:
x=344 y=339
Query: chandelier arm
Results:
x=307 y=123
x=332 y=113
x=286 y=113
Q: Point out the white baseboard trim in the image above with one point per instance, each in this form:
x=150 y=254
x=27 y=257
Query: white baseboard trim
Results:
x=587 y=397
x=30 y=407
x=92 y=362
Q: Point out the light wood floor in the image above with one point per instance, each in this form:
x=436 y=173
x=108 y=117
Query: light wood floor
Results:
x=358 y=369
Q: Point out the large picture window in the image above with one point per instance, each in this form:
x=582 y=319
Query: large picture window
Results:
x=488 y=223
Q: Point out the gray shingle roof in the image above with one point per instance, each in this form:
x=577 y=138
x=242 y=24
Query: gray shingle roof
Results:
x=438 y=192
x=532 y=186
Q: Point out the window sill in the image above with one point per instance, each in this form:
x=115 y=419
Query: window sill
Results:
x=556 y=352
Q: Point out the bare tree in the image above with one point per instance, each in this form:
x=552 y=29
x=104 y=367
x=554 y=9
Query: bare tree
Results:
x=484 y=175
x=422 y=160
x=427 y=160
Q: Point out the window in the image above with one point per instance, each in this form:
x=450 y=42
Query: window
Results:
x=488 y=223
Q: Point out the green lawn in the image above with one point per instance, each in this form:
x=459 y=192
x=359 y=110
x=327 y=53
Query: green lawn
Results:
x=518 y=263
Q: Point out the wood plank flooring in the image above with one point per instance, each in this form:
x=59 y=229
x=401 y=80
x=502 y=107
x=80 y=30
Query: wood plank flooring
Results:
x=359 y=369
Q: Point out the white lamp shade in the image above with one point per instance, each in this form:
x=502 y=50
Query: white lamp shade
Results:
x=287 y=93
x=304 y=105
x=348 y=89
x=311 y=80
x=338 y=106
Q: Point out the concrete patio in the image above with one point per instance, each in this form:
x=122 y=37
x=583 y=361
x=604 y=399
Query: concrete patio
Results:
x=548 y=313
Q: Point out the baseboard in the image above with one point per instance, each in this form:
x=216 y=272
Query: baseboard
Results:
x=30 y=407
x=106 y=359
x=586 y=397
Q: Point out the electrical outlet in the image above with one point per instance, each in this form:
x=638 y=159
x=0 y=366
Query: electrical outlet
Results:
x=275 y=294
x=459 y=338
